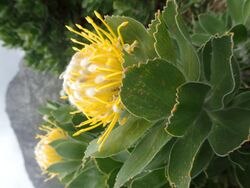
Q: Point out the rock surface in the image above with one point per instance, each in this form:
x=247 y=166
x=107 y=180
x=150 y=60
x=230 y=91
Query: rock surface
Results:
x=27 y=92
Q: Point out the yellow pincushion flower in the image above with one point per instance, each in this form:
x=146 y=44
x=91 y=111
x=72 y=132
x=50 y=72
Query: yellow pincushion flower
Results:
x=94 y=75
x=46 y=154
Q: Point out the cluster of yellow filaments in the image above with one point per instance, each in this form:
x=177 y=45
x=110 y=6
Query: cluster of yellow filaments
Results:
x=94 y=75
x=45 y=154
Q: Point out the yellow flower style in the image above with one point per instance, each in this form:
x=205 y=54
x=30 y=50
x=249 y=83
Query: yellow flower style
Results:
x=46 y=154
x=93 y=78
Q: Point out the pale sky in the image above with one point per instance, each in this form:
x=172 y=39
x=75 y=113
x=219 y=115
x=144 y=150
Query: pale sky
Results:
x=12 y=173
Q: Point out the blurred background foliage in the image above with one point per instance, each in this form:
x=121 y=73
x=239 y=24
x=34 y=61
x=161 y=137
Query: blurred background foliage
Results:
x=38 y=27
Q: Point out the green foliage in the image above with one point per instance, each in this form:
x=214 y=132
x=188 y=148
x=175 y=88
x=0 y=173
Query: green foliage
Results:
x=134 y=31
x=189 y=120
x=133 y=129
x=185 y=150
x=145 y=151
x=140 y=97
x=185 y=111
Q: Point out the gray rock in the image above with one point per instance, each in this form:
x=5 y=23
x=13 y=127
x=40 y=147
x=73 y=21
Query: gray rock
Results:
x=27 y=92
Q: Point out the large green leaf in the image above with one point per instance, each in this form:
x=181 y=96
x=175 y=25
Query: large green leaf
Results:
x=134 y=31
x=189 y=60
x=236 y=8
x=184 y=152
x=230 y=129
x=107 y=165
x=189 y=101
x=70 y=150
x=66 y=167
x=206 y=56
x=143 y=153
x=202 y=159
x=222 y=82
x=154 y=179
x=161 y=159
x=164 y=44
x=211 y=23
x=148 y=90
x=119 y=139
x=242 y=100
x=89 y=178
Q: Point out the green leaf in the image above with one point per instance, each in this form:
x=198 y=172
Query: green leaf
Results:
x=242 y=177
x=154 y=179
x=199 y=39
x=112 y=176
x=240 y=159
x=246 y=11
x=107 y=165
x=212 y=24
x=222 y=83
x=143 y=153
x=48 y=108
x=134 y=31
x=44 y=110
x=62 y=114
x=148 y=90
x=161 y=159
x=66 y=178
x=78 y=118
x=240 y=33
x=68 y=127
x=119 y=139
x=57 y=142
x=237 y=82
x=235 y=8
x=64 y=167
x=189 y=102
x=89 y=178
x=230 y=129
x=121 y=156
x=164 y=45
x=217 y=166
x=189 y=60
x=83 y=139
x=242 y=100
x=185 y=150
x=52 y=105
x=154 y=22
x=71 y=150
x=206 y=56
x=202 y=159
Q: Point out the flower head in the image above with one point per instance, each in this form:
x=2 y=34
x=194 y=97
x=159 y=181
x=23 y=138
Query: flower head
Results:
x=94 y=75
x=45 y=154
